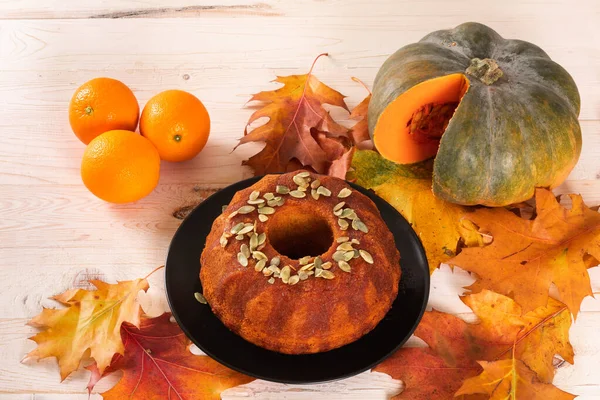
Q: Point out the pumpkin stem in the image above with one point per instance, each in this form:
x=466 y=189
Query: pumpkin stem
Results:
x=487 y=70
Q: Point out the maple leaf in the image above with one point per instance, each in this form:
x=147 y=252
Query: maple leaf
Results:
x=456 y=347
x=90 y=321
x=408 y=189
x=359 y=133
x=526 y=256
x=511 y=379
x=293 y=111
x=158 y=364
x=538 y=335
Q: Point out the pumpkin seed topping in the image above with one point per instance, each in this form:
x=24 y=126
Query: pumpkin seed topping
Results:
x=237 y=228
x=315 y=184
x=293 y=279
x=281 y=189
x=242 y=259
x=262 y=238
x=318 y=262
x=246 y=209
x=274 y=269
x=339 y=205
x=303 y=174
x=315 y=195
x=324 y=191
x=223 y=241
x=253 y=241
x=271 y=280
x=245 y=250
x=267 y=272
x=338 y=255
x=342 y=239
x=262 y=218
x=318 y=272
x=304 y=260
x=303 y=275
x=260 y=265
x=326 y=274
x=224 y=207
x=256 y=201
x=344 y=266
x=343 y=224
x=303 y=188
x=345 y=192
x=298 y=180
x=366 y=256
x=269 y=196
x=338 y=213
x=200 y=298
x=240 y=237
x=285 y=273
x=326 y=265
x=254 y=195
x=280 y=201
x=348 y=213
x=297 y=194
x=355 y=241
x=275 y=261
x=246 y=229
x=348 y=255
x=356 y=254
x=266 y=210
x=358 y=225
x=259 y=255
x=233 y=214
x=307 y=267
x=346 y=246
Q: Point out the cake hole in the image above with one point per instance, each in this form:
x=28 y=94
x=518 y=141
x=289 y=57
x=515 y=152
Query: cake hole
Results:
x=298 y=234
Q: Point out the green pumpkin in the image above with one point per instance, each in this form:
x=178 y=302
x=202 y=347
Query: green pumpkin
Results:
x=498 y=115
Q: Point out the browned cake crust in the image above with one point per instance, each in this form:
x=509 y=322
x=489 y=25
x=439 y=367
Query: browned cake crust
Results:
x=328 y=308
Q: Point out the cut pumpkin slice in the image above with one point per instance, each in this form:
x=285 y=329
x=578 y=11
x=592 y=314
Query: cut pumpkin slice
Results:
x=410 y=128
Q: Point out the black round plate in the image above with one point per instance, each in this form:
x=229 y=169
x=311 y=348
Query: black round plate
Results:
x=209 y=334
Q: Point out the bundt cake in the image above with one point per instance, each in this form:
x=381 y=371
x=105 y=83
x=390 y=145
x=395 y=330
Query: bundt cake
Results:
x=300 y=263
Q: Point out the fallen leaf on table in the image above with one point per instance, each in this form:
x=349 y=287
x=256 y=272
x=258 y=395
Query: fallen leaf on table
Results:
x=90 y=321
x=359 y=133
x=408 y=189
x=157 y=364
x=511 y=379
x=339 y=168
x=526 y=256
x=456 y=347
x=293 y=111
x=539 y=334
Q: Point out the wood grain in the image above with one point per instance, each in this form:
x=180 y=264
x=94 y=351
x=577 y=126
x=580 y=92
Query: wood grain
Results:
x=55 y=235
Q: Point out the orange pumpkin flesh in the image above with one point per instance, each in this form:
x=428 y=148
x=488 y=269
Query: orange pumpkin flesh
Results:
x=410 y=128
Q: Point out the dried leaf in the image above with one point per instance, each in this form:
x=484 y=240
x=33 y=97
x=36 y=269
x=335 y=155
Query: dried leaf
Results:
x=91 y=320
x=511 y=379
x=408 y=189
x=540 y=334
x=526 y=256
x=293 y=110
x=455 y=346
x=359 y=133
x=339 y=168
x=157 y=364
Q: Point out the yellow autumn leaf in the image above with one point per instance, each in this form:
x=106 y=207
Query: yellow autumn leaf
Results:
x=91 y=321
x=408 y=189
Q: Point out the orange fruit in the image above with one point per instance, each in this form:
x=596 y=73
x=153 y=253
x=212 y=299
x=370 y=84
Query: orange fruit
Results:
x=120 y=166
x=177 y=123
x=100 y=105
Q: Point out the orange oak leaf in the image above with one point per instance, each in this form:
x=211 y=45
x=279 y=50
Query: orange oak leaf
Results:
x=90 y=321
x=456 y=347
x=511 y=379
x=158 y=364
x=293 y=111
x=360 y=131
x=526 y=256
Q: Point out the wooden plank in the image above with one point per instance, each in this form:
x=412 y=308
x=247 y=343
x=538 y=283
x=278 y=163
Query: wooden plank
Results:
x=280 y=43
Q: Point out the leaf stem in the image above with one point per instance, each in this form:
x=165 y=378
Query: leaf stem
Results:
x=153 y=271
x=355 y=79
x=315 y=61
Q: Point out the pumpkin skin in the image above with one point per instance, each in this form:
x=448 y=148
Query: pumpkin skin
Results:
x=508 y=135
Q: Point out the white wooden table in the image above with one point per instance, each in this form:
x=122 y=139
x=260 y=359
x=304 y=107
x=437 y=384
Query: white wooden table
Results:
x=55 y=235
